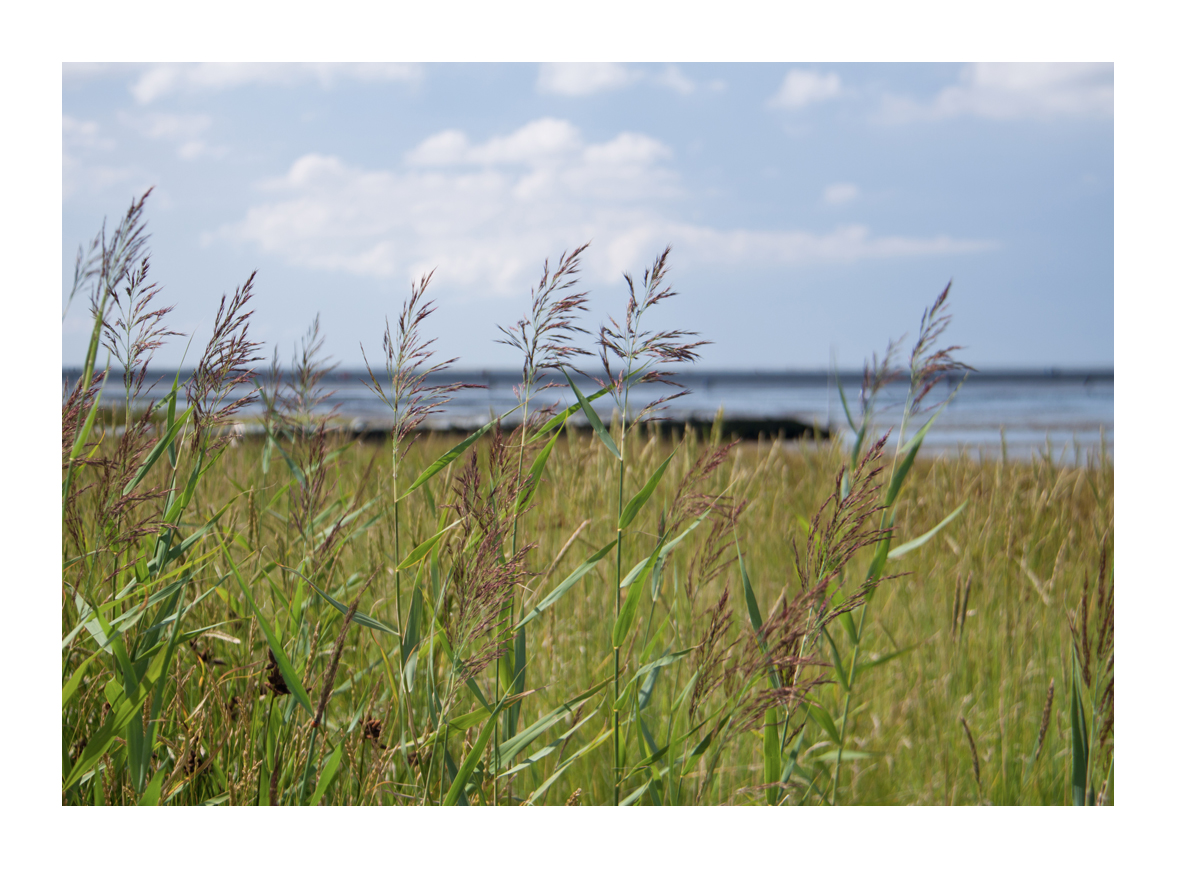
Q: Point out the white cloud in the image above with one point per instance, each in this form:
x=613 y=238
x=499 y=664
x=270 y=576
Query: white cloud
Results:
x=184 y=130
x=1004 y=91
x=82 y=134
x=485 y=213
x=844 y=244
x=541 y=140
x=160 y=80
x=81 y=143
x=582 y=79
x=839 y=194
x=803 y=87
x=171 y=126
x=672 y=77
x=199 y=148
x=74 y=72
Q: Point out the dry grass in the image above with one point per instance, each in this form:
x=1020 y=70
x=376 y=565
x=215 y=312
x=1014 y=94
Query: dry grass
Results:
x=305 y=618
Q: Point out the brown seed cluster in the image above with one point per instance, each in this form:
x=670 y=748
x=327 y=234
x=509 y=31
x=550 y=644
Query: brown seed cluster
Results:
x=274 y=681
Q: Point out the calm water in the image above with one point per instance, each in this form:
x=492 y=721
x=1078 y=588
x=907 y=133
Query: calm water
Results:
x=1067 y=409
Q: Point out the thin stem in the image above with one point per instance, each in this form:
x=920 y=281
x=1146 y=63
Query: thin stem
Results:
x=616 y=650
x=846 y=703
x=396 y=558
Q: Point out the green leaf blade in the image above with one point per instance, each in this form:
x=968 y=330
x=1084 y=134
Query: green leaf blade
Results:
x=284 y=666
x=594 y=420
x=639 y=500
x=158 y=450
x=563 y=588
x=447 y=457
x=900 y=551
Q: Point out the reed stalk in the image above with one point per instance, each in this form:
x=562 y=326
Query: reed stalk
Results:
x=199 y=591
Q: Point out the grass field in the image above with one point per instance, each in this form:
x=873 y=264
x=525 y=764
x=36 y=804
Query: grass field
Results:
x=561 y=615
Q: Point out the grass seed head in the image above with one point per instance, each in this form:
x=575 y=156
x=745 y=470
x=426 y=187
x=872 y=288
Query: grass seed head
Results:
x=545 y=337
x=408 y=367
x=973 y=752
x=225 y=366
x=639 y=353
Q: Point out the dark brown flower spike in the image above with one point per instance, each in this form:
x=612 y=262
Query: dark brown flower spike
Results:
x=274 y=681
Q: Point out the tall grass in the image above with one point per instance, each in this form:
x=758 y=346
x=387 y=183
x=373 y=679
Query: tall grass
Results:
x=553 y=614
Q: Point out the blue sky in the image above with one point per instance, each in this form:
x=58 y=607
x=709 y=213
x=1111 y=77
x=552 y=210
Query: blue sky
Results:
x=813 y=208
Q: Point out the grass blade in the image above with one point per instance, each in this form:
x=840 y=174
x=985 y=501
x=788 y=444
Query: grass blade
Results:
x=527 y=493
x=152 y=794
x=594 y=420
x=562 y=589
x=823 y=718
x=602 y=738
x=559 y=419
x=284 y=666
x=413 y=628
x=909 y=451
x=772 y=756
x=629 y=607
x=907 y=547
x=1078 y=739
x=423 y=549
x=113 y=726
x=448 y=457
x=863 y=666
x=639 y=500
x=839 y=669
x=80 y=440
x=636 y=570
x=846 y=754
x=330 y=770
x=458 y=786
x=511 y=747
x=750 y=599
x=158 y=450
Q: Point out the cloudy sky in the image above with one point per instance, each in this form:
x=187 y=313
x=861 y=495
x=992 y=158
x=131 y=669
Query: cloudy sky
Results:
x=812 y=209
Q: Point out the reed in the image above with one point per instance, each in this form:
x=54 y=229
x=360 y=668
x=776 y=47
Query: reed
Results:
x=555 y=615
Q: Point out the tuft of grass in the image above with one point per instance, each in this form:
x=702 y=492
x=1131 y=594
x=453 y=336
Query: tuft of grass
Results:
x=559 y=616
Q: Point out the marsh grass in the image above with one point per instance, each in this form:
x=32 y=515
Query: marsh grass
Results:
x=503 y=618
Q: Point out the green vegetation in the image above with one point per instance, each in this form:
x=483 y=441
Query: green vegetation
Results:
x=560 y=615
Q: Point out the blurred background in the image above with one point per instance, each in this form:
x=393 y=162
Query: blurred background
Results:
x=814 y=212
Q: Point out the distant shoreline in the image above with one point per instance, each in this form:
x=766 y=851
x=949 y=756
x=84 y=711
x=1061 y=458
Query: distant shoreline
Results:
x=710 y=377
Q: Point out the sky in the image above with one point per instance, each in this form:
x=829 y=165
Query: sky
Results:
x=814 y=210
x=1035 y=178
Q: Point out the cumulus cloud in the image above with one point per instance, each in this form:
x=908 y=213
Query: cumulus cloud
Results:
x=839 y=194
x=1005 y=91
x=160 y=80
x=539 y=141
x=72 y=72
x=186 y=131
x=674 y=78
x=803 y=87
x=83 y=148
x=160 y=126
x=844 y=244
x=486 y=212
x=82 y=134
x=582 y=79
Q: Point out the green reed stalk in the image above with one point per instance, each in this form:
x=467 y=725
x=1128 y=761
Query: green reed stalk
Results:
x=928 y=366
x=886 y=520
x=616 y=615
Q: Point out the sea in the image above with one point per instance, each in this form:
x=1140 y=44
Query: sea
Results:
x=1065 y=414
